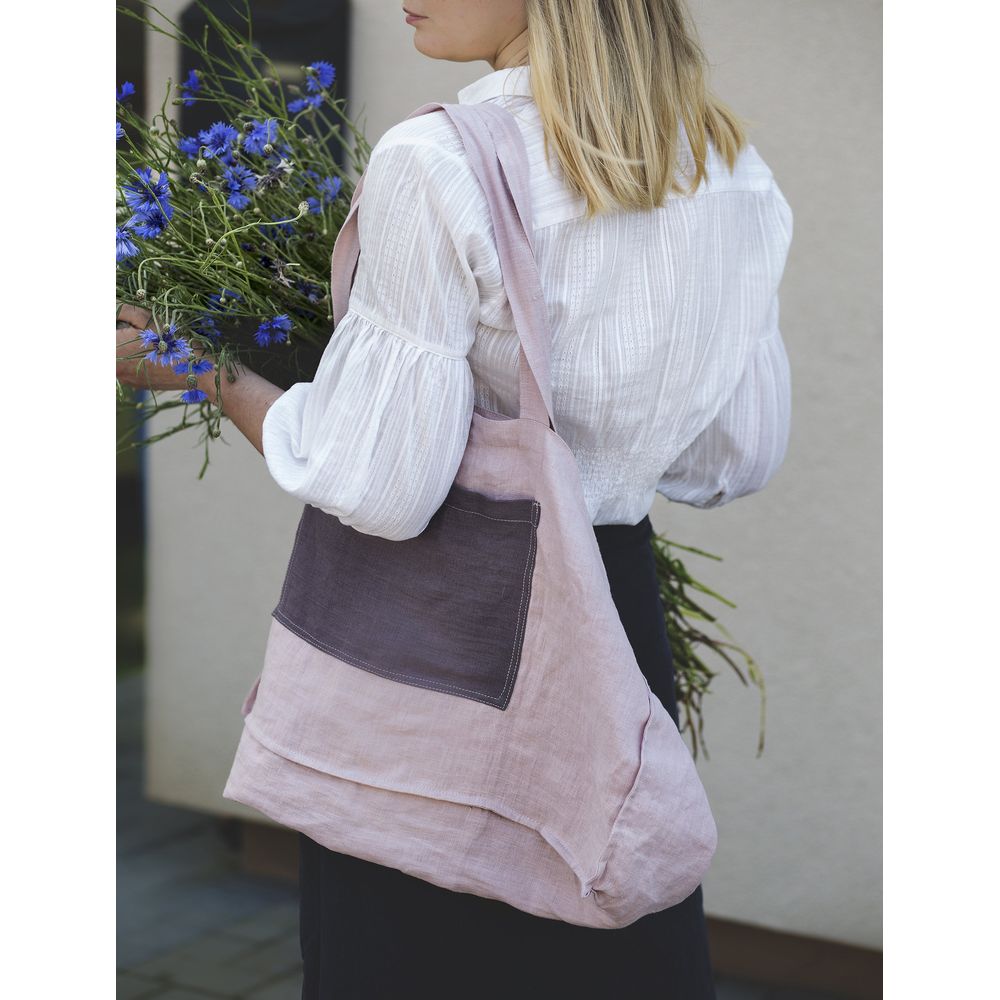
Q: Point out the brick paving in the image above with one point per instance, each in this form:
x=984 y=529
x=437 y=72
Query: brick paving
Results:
x=193 y=926
x=191 y=923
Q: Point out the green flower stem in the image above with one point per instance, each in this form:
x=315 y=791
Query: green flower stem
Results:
x=693 y=675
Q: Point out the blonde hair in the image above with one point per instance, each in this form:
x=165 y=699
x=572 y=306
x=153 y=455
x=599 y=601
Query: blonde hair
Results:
x=611 y=80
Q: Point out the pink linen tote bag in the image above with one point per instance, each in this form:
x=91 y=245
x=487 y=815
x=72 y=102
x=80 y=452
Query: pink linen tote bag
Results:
x=465 y=705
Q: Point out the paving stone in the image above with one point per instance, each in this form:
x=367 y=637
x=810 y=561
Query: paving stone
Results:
x=223 y=964
x=212 y=948
x=173 y=914
x=731 y=989
x=273 y=922
x=144 y=825
x=284 y=989
x=176 y=993
x=132 y=988
x=279 y=958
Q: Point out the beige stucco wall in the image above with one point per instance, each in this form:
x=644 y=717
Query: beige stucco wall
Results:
x=800 y=827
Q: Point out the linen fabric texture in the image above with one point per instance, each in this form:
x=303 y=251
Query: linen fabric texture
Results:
x=574 y=797
x=669 y=370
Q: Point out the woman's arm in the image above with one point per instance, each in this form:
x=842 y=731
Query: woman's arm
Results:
x=744 y=446
x=245 y=400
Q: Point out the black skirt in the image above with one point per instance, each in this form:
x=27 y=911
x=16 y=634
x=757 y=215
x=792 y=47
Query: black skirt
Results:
x=370 y=931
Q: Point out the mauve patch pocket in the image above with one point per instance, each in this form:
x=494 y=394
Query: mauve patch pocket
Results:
x=445 y=610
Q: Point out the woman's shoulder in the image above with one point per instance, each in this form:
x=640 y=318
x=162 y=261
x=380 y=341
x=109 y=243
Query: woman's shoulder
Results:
x=749 y=172
x=433 y=131
x=425 y=157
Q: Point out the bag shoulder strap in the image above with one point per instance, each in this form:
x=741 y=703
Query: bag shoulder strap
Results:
x=498 y=157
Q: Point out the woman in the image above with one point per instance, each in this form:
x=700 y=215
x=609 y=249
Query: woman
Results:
x=661 y=238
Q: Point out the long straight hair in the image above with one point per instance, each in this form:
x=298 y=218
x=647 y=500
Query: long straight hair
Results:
x=612 y=79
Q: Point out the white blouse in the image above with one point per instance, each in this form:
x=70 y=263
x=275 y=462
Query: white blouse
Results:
x=669 y=373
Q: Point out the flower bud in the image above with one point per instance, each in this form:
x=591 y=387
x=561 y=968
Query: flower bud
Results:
x=268 y=149
x=209 y=241
x=200 y=163
x=192 y=381
x=140 y=293
x=303 y=206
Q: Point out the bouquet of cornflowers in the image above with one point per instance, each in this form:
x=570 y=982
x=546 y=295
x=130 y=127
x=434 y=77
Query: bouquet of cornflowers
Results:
x=225 y=238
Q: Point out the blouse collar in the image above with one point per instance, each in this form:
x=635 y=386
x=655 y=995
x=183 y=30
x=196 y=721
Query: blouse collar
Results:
x=501 y=82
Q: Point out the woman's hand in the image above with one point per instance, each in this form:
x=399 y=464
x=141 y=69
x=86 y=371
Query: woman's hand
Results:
x=134 y=316
x=245 y=399
x=132 y=364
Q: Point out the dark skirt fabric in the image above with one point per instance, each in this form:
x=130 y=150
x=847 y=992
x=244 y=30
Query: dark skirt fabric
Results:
x=370 y=931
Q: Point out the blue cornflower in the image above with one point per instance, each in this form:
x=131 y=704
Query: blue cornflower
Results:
x=189 y=146
x=119 y=131
x=216 y=304
x=329 y=188
x=273 y=331
x=125 y=245
x=167 y=347
x=311 y=291
x=263 y=334
x=125 y=90
x=194 y=396
x=281 y=326
x=218 y=139
x=321 y=78
x=205 y=327
x=146 y=196
x=258 y=134
x=199 y=367
x=192 y=84
x=305 y=102
x=236 y=180
x=149 y=223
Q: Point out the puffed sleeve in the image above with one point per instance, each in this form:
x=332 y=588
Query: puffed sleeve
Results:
x=745 y=444
x=377 y=437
